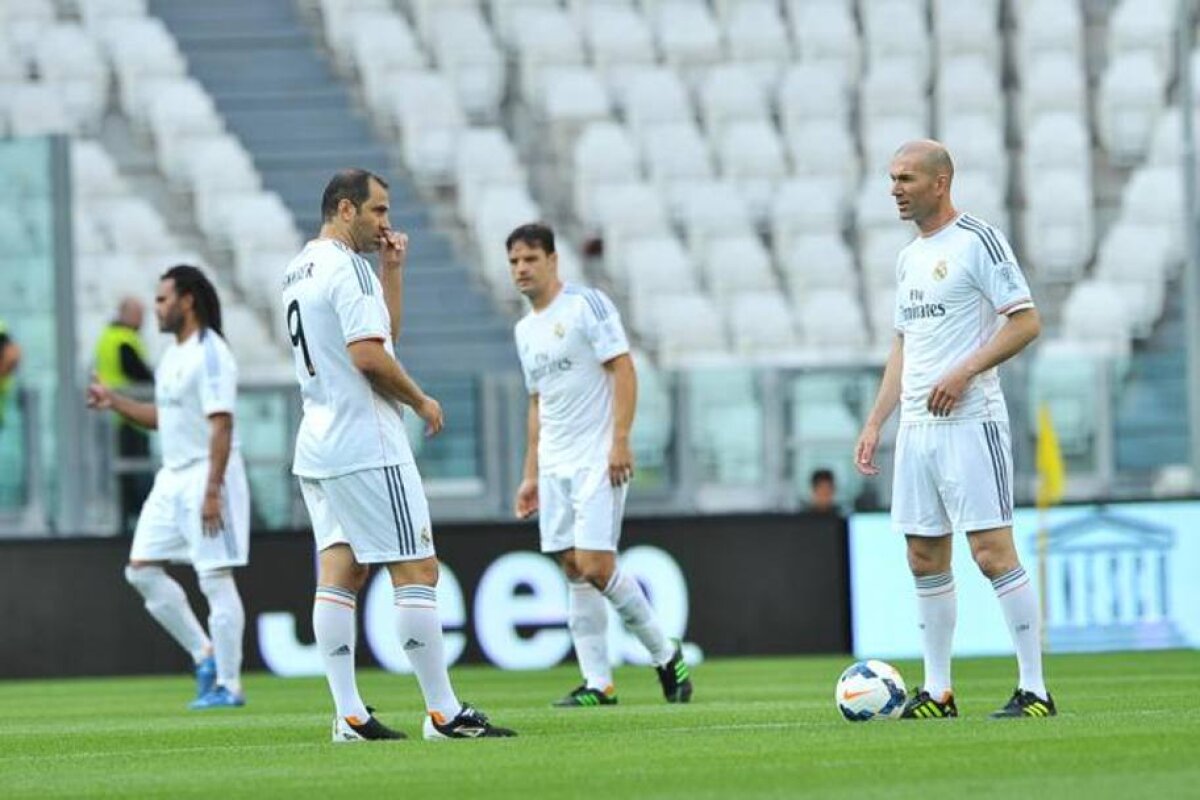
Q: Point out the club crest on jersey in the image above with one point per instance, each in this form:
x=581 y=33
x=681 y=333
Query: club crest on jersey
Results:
x=940 y=270
x=560 y=330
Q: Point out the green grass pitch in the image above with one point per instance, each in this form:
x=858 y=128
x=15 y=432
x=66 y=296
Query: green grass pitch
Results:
x=1129 y=726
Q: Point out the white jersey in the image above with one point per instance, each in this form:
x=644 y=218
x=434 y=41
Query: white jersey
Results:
x=193 y=381
x=951 y=290
x=332 y=298
x=563 y=349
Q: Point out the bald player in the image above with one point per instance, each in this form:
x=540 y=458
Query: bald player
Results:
x=963 y=307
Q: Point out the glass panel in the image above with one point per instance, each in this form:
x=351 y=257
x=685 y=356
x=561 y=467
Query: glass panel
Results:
x=27 y=309
x=826 y=410
x=454 y=454
x=726 y=437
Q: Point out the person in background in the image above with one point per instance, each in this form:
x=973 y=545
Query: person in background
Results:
x=822 y=497
x=121 y=361
x=10 y=359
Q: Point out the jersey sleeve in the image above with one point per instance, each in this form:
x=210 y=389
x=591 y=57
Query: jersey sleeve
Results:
x=353 y=293
x=999 y=276
x=602 y=325
x=218 y=389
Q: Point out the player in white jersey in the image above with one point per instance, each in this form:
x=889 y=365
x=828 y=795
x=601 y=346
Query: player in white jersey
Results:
x=353 y=460
x=199 y=509
x=962 y=308
x=582 y=391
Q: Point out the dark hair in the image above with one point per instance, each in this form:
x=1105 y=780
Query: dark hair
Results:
x=821 y=475
x=534 y=234
x=190 y=280
x=348 y=184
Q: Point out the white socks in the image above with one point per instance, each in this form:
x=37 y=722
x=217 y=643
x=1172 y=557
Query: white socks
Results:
x=168 y=604
x=1020 y=603
x=937 y=609
x=226 y=624
x=635 y=611
x=420 y=632
x=335 y=626
x=588 y=620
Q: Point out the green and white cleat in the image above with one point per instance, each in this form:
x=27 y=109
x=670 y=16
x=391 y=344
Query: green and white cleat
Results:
x=676 y=678
x=584 y=696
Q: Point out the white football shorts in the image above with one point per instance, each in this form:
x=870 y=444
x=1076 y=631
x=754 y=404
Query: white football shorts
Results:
x=170 y=526
x=952 y=477
x=381 y=513
x=580 y=509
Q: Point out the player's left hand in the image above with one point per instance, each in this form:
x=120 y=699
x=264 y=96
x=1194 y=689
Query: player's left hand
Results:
x=947 y=392
x=393 y=248
x=620 y=464
x=210 y=515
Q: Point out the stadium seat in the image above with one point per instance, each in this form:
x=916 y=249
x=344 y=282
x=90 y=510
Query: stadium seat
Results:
x=656 y=270
x=826 y=32
x=1146 y=27
x=337 y=19
x=1065 y=379
x=730 y=94
x=1166 y=142
x=687 y=325
x=881 y=315
x=811 y=91
x=757 y=39
x=141 y=50
x=894 y=30
x=761 y=323
x=431 y=119
x=604 y=153
x=571 y=98
x=967 y=30
x=715 y=210
x=1049 y=27
x=1136 y=259
x=875 y=208
x=484 y=157
x=134 y=226
x=94 y=174
x=1056 y=142
x=620 y=42
x=892 y=89
x=94 y=13
x=818 y=261
x=68 y=58
x=1096 y=316
x=734 y=264
x=678 y=160
x=627 y=212
x=24 y=23
x=1053 y=82
x=1132 y=95
x=1059 y=224
x=543 y=36
x=509 y=15
x=687 y=35
x=824 y=148
x=977 y=193
x=807 y=205
x=752 y=157
x=1154 y=196
x=382 y=46
x=654 y=96
x=977 y=145
x=833 y=324
x=884 y=135
x=38 y=109
x=879 y=251
x=968 y=87
x=500 y=209
x=464 y=48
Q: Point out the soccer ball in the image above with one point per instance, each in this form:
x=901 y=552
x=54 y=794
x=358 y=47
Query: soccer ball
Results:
x=870 y=690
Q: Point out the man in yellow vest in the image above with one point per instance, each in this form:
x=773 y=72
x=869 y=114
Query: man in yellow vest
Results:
x=10 y=357
x=121 y=361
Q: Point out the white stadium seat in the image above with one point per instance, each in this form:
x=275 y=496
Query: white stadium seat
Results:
x=810 y=91
x=678 y=160
x=604 y=153
x=687 y=35
x=1053 y=82
x=715 y=210
x=38 y=109
x=761 y=323
x=977 y=145
x=894 y=30
x=1059 y=224
x=892 y=88
x=752 y=157
x=819 y=261
x=544 y=36
x=463 y=46
x=826 y=32
x=656 y=95
x=736 y=263
x=1049 y=27
x=688 y=325
x=68 y=58
x=1147 y=27
x=832 y=321
x=967 y=29
x=620 y=42
x=823 y=148
x=1056 y=142
x=1096 y=315
x=1136 y=258
x=969 y=87
x=807 y=205
x=757 y=39
x=1132 y=95
x=884 y=135
x=1154 y=196
x=485 y=157
x=730 y=94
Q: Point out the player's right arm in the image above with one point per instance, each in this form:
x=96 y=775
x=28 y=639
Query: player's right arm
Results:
x=389 y=379
x=886 y=401
x=527 y=493
x=101 y=398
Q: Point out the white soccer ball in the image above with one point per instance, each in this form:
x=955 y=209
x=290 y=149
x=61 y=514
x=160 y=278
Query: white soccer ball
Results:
x=870 y=690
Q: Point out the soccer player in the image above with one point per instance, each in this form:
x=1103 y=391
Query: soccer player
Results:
x=353 y=459
x=962 y=308
x=199 y=508
x=582 y=391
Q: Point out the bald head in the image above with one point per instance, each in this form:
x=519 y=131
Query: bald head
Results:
x=930 y=156
x=921 y=172
x=130 y=312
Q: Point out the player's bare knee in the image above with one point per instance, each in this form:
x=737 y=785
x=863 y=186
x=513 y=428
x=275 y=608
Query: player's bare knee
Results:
x=927 y=560
x=422 y=573
x=994 y=561
x=597 y=572
x=570 y=566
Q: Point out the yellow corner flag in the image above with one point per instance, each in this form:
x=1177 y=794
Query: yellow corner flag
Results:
x=1052 y=472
